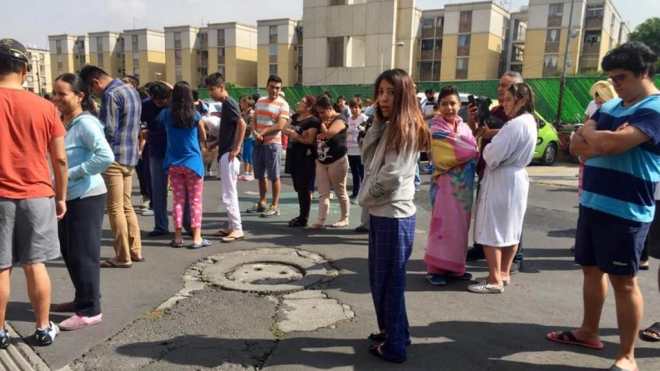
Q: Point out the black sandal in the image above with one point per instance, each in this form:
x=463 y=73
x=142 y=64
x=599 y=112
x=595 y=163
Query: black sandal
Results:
x=377 y=350
x=652 y=333
x=378 y=337
x=297 y=222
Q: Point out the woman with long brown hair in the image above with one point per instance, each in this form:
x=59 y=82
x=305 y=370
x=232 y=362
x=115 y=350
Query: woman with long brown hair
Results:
x=389 y=151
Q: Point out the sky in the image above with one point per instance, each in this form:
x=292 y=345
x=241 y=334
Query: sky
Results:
x=31 y=21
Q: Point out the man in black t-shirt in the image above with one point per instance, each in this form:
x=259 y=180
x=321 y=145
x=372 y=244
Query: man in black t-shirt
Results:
x=232 y=131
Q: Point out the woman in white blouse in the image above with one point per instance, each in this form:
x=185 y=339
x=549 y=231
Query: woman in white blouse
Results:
x=502 y=200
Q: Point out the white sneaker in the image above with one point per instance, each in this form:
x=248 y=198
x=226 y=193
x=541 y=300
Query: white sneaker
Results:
x=147 y=212
x=486 y=288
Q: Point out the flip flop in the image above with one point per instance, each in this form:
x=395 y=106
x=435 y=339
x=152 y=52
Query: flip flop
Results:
x=461 y=277
x=176 y=244
x=231 y=238
x=568 y=337
x=222 y=232
x=652 y=333
x=199 y=245
x=110 y=263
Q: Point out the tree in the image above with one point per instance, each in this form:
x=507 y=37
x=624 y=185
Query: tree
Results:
x=648 y=32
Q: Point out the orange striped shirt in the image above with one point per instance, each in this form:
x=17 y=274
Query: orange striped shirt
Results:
x=267 y=113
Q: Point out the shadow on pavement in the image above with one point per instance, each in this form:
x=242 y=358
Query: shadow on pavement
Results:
x=452 y=345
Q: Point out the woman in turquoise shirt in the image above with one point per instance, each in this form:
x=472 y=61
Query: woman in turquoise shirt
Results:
x=88 y=155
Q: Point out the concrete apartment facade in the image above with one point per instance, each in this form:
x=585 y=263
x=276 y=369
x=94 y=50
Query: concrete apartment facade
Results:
x=279 y=51
x=144 y=54
x=473 y=41
x=181 y=54
x=39 y=79
x=106 y=50
x=596 y=28
x=68 y=53
x=343 y=44
x=231 y=49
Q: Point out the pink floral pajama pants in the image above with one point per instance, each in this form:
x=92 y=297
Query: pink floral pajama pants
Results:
x=187 y=181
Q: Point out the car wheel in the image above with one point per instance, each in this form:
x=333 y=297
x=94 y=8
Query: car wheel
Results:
x=550 y=154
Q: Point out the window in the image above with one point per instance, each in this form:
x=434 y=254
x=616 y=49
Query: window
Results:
x=272 y=53
x=177 y=40
x=221 y=38
x=552 y=40
x=594 y=11
x=463 y=45
x=555 y=13
x=134 y=43
x=136 y=65
x=221 y=69
x=337 y=2
x=429 y=71
x=431 y=49
x=428 y=28
x=221 y=55
x=272 y=34
x=556 y=10
x=465 y=22
x=177 y=58
x=272 y=69
x=58 y=47
x=335 y=52
x=550 y=65
x=203 y=38
x=517 y=54
x=178 y=75
x=461 y=68
x=99 y=59
x=60 y=66
x=592 y=41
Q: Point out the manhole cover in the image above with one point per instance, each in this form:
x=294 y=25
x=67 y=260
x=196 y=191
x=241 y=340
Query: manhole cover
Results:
x=266 y=270
x=266 y=273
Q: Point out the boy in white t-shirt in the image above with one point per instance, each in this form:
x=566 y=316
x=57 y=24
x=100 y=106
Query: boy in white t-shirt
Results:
x=355 y=125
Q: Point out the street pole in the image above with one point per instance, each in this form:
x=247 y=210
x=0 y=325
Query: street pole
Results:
x=562 y=80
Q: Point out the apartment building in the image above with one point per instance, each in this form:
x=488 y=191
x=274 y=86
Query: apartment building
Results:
x=429 y=45
x=231 y=49
x=352 y=41
x=515 y=41
x=279 y=51
x=68 y=53
x=596 y=28
x=473 y=40
x=144 y=54
x=181 y=54
x=106 y=50
x=39 y=78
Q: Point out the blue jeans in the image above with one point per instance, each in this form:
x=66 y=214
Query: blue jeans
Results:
x=159 y=193
x=159 y=197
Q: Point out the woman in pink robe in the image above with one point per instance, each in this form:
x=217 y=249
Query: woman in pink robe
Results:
x=454 y=153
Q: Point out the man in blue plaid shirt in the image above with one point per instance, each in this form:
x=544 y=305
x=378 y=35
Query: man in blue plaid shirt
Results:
x=120 y=114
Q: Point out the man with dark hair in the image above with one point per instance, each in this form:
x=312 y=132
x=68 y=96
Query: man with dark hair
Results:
x=121 y=108
x=498 y=118
x=621 y=143
x=159 y=93
x=231 y=136
x=31 y=131
x=271 y=115
x=342 y=108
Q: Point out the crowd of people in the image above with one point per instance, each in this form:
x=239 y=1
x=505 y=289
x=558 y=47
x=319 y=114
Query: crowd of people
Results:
x=173 y=140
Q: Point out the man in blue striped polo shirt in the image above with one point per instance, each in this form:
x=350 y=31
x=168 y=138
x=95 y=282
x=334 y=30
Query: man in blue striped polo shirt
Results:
x=121 y=108
x=621 y=143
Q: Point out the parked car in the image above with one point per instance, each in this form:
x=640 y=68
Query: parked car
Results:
x=547 y=142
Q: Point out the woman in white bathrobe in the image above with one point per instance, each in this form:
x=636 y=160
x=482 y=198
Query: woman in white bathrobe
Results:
x=502 y=199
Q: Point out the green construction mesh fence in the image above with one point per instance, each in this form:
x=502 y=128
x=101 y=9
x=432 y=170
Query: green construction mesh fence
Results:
x=576 y=94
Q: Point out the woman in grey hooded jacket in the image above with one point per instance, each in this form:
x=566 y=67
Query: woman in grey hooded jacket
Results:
x=390 y=151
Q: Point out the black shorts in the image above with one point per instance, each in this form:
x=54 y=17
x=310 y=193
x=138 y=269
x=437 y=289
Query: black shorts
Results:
x=653 y=238
x=613 y=244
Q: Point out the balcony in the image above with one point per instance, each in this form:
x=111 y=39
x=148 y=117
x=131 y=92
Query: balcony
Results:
x=552 y=47
x=554 y=21
x=591 y=23
x=430 y=55
x=589 y=63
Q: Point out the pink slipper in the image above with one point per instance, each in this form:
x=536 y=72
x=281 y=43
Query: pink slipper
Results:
x=77 y=322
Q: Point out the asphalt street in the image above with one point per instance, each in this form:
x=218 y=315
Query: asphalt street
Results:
x=451 y=328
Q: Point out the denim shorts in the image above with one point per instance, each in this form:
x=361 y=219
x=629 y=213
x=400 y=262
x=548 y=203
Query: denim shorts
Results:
x=611 y=243
x=266 y=160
